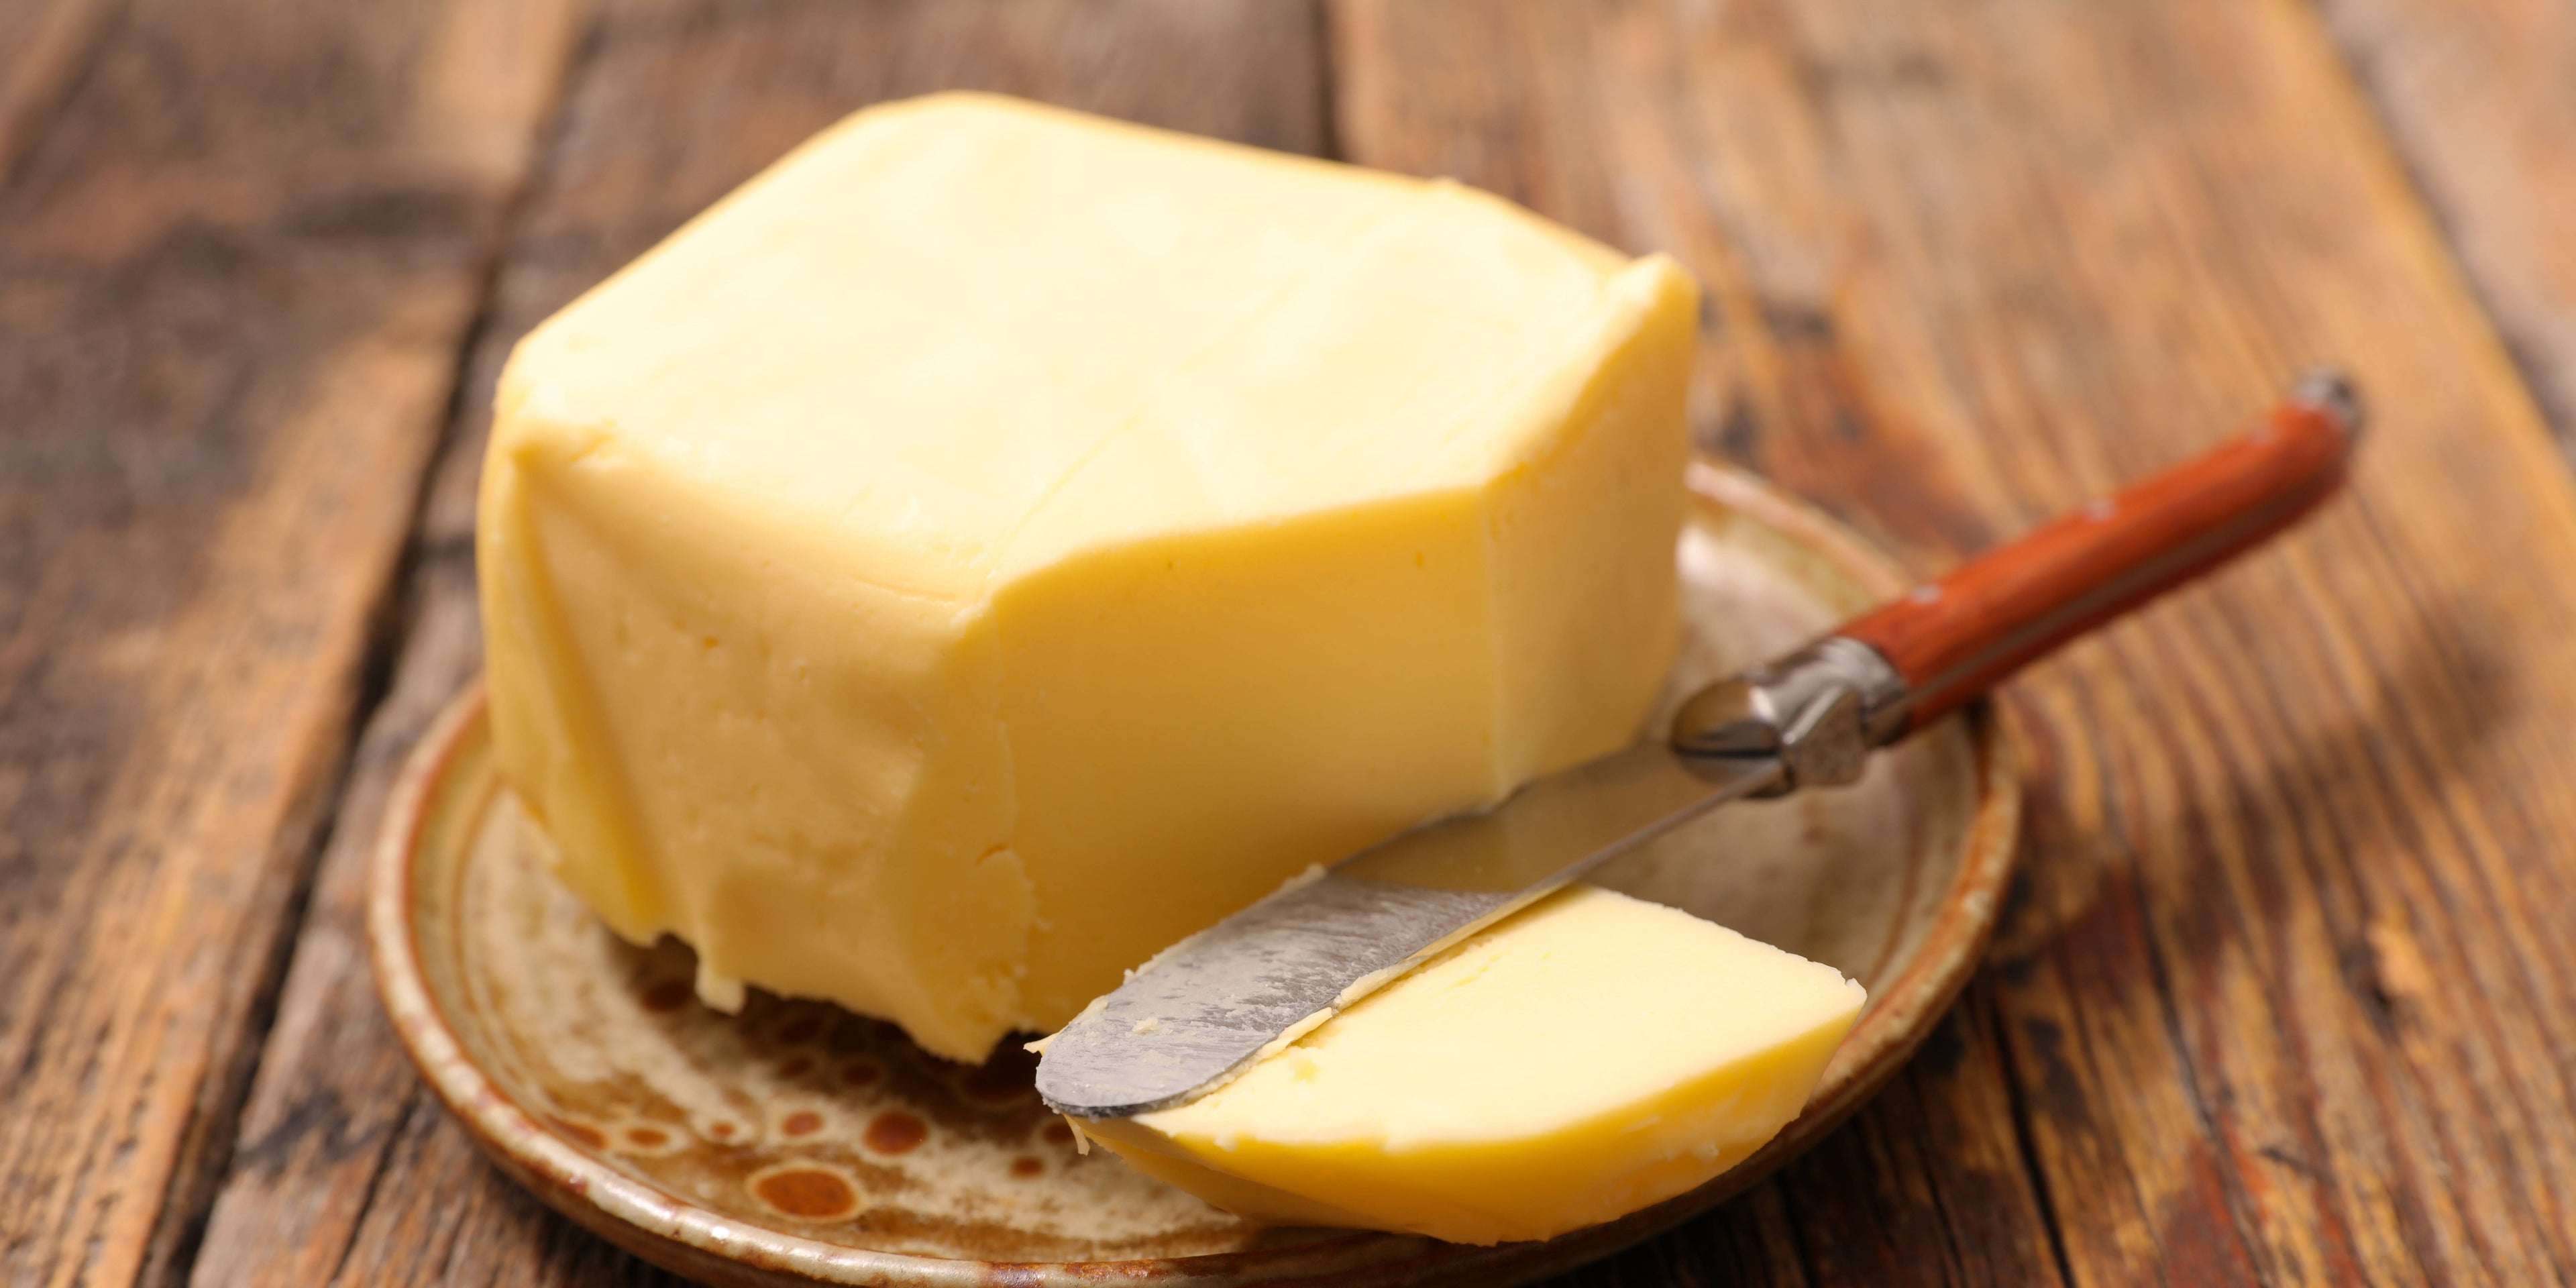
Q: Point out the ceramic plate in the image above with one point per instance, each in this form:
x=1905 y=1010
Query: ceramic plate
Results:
x=795 y=1143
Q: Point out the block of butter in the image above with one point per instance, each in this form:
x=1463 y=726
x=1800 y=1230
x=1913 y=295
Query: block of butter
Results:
x=995 y=543
x=1588 y=1057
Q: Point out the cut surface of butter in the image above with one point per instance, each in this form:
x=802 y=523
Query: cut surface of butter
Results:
x=1588 y=1057
x=995 y=543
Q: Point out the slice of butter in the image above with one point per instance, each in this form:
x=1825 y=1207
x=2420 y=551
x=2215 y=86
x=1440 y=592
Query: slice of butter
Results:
x=1589 y=1057
x=994 y=544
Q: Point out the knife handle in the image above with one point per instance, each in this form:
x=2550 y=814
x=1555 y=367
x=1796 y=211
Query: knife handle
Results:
x=1954 y=638
x=1898 y=667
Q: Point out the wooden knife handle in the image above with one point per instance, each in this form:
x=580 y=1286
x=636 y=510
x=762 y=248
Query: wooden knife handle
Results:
x=1954 y=638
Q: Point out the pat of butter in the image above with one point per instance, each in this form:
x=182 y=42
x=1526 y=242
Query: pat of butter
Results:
x=994 y=544
x=1591 y=1056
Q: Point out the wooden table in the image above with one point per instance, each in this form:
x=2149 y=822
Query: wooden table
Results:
x=2285 y=994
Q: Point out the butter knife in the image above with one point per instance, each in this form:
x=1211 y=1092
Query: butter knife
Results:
x=1209 y=1006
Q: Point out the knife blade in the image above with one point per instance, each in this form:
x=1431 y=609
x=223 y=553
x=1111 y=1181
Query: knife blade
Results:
x=1213 y=1004
x=1208 y=1005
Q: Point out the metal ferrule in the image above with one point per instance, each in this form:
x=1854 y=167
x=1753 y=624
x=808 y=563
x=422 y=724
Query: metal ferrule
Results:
x=1819 y=711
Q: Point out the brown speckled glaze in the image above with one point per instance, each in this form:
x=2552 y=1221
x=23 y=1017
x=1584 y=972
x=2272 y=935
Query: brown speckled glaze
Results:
x=795 y=1143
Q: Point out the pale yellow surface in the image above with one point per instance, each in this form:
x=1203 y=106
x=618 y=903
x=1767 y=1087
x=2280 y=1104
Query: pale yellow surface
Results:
x=1587 y=1058
x=995 y=543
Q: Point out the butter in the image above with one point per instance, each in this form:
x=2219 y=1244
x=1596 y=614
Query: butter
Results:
x=1591 y=1056
x=995 y=543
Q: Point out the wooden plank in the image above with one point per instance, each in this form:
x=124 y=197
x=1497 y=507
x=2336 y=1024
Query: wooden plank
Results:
x=2480 y=99
x=347 y=1170
x=2282 y=996
x=1927 y=1184
x=235 y=268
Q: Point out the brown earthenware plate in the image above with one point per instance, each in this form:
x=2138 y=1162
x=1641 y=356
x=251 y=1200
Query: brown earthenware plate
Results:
x=795 y=1143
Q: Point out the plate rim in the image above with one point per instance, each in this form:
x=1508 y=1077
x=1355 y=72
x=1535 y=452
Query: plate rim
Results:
x=691 y=1239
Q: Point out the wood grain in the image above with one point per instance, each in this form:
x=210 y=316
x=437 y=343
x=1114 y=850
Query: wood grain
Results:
x=2282 y=998
x=235 y=266
x=2479 y=99
x=347 y=1172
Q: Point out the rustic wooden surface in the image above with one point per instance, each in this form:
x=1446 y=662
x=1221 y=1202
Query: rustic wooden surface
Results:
x=2284 y=994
